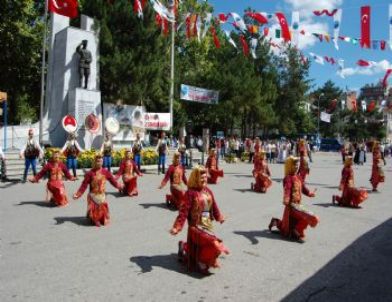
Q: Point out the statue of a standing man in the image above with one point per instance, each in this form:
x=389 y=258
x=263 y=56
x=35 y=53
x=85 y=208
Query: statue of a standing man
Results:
x=84 y=63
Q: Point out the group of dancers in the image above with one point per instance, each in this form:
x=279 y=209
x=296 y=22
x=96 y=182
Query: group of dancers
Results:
x=195 y=201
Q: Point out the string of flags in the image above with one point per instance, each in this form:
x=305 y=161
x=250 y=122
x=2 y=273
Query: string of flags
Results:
x=252 y=27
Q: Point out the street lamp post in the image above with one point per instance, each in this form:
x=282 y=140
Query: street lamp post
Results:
x=318 y=118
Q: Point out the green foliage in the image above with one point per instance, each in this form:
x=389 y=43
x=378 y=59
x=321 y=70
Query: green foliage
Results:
x=26 y=113
x=21 y=33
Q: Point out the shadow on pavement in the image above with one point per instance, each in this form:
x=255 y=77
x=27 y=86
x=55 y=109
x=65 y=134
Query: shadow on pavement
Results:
x=361 y=272
x=157 y=205
x=252 y=235
x=329 y=204
x=244 y=190
x=44 y=204
x=78 y=220
x=169 y=262
x=243 y=175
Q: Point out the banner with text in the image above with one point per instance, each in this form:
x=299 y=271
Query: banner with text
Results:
x=157 y=121
x=200 y=95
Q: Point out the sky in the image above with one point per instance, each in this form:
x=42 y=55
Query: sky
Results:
x=354 y=76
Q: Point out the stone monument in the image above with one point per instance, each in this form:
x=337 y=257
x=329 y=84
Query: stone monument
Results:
x=72 y=84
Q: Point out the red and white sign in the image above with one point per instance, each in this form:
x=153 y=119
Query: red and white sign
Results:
x=157 y=121
x=69 y=123
x=92 y=123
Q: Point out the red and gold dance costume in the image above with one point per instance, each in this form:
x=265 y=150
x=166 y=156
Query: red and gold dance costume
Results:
x=295 y=217
x=377 y=171
x=351 y=196
x=178 y=182
x=303 y=170
x=202 y=249
x=97 y=206
x=56 y=170
x=212 y=168
x=261 y=173
x=129 y=172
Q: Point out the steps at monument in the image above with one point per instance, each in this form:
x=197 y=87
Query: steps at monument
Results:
x=16 y=165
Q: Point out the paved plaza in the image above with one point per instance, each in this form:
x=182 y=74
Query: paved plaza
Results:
x=53 y=254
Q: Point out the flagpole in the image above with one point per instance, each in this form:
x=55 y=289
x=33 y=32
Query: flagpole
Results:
x=171 y=96
x=41 y=115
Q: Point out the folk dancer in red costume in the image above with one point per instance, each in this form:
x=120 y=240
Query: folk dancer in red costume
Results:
x=261 y=173
x=295 y=217
x=351 y=196
x=178 y=182
x=129 y=172
x=377 y=172
x=212 y=168
x=202 y=249
x=303 y=170
x=97 y=206
x=55 y=186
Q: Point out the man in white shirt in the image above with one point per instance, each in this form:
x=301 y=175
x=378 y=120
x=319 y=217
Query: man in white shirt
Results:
x=71 y=149
x=30 y=152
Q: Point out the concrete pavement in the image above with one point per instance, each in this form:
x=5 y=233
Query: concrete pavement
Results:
x=52 y=254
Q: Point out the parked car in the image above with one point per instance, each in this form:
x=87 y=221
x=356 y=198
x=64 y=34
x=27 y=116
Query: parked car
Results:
x=330 y=144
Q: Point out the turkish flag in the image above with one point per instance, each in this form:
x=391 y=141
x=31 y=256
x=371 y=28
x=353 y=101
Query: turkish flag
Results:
x=68 y=8
x=371 y=106
x=365 y=26
x=285 y=27
x=258 y=17
x=245 y=47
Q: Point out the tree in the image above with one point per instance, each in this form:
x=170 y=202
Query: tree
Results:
x=21 y=34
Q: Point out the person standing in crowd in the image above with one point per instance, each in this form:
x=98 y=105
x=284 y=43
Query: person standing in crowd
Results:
x=295 y=217
x=162 y=148
x=3 y=166
x=344 y=152
x=362 y=154
x=202 y=249
x=351 y=196
x=183 y=152
x=71 y=150
x=252 y=150
x=55 y=186
x=30 y=152
x=97 y=206
x=178 y=182
x=137 y=148
x=218 y=147
x=129 y=172
x=106 y=150
x=268 y=150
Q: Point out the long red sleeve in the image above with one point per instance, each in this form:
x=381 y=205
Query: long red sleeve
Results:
x=85 y=183
x=183 y=212
x=110 y=177
x=43 y=171
x=65 y=171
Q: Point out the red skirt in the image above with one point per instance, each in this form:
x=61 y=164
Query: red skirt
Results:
x=201 y=249
x=130 y=186
x=98 y=213
x=263 y=182
x=176 y=197
x=377 y=177
x=352 y=197
x=213 y=176
x=56 y=188
x=296 y=218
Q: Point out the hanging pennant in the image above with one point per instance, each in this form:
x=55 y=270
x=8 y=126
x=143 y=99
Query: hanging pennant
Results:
x=223 y=18
x=326 y=12
x=284 y=26
x=162 y=10
x=295 y=27
x=337 y=20
x=245 y=47
x=259 y=17
x=215 y=37
x=385 y=80
x=365 y=26
x=238 y=22
x=383 y=44
x=317 y=59
x=363 y=63
x=137 y=8
x=207 y=24
x=253 y=46
x=371 y=106
x=231 y=41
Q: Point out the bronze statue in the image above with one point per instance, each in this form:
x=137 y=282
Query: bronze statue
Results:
x=84 y=62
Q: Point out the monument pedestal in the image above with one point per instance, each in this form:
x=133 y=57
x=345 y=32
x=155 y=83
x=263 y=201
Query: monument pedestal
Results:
x=81 y=103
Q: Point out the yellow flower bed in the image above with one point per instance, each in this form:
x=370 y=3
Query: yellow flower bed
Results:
x=86 y=158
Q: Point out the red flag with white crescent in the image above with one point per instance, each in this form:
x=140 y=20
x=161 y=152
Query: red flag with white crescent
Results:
x=215 y=37
x=285 y=27
x=68 y=8
x=365 y=27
